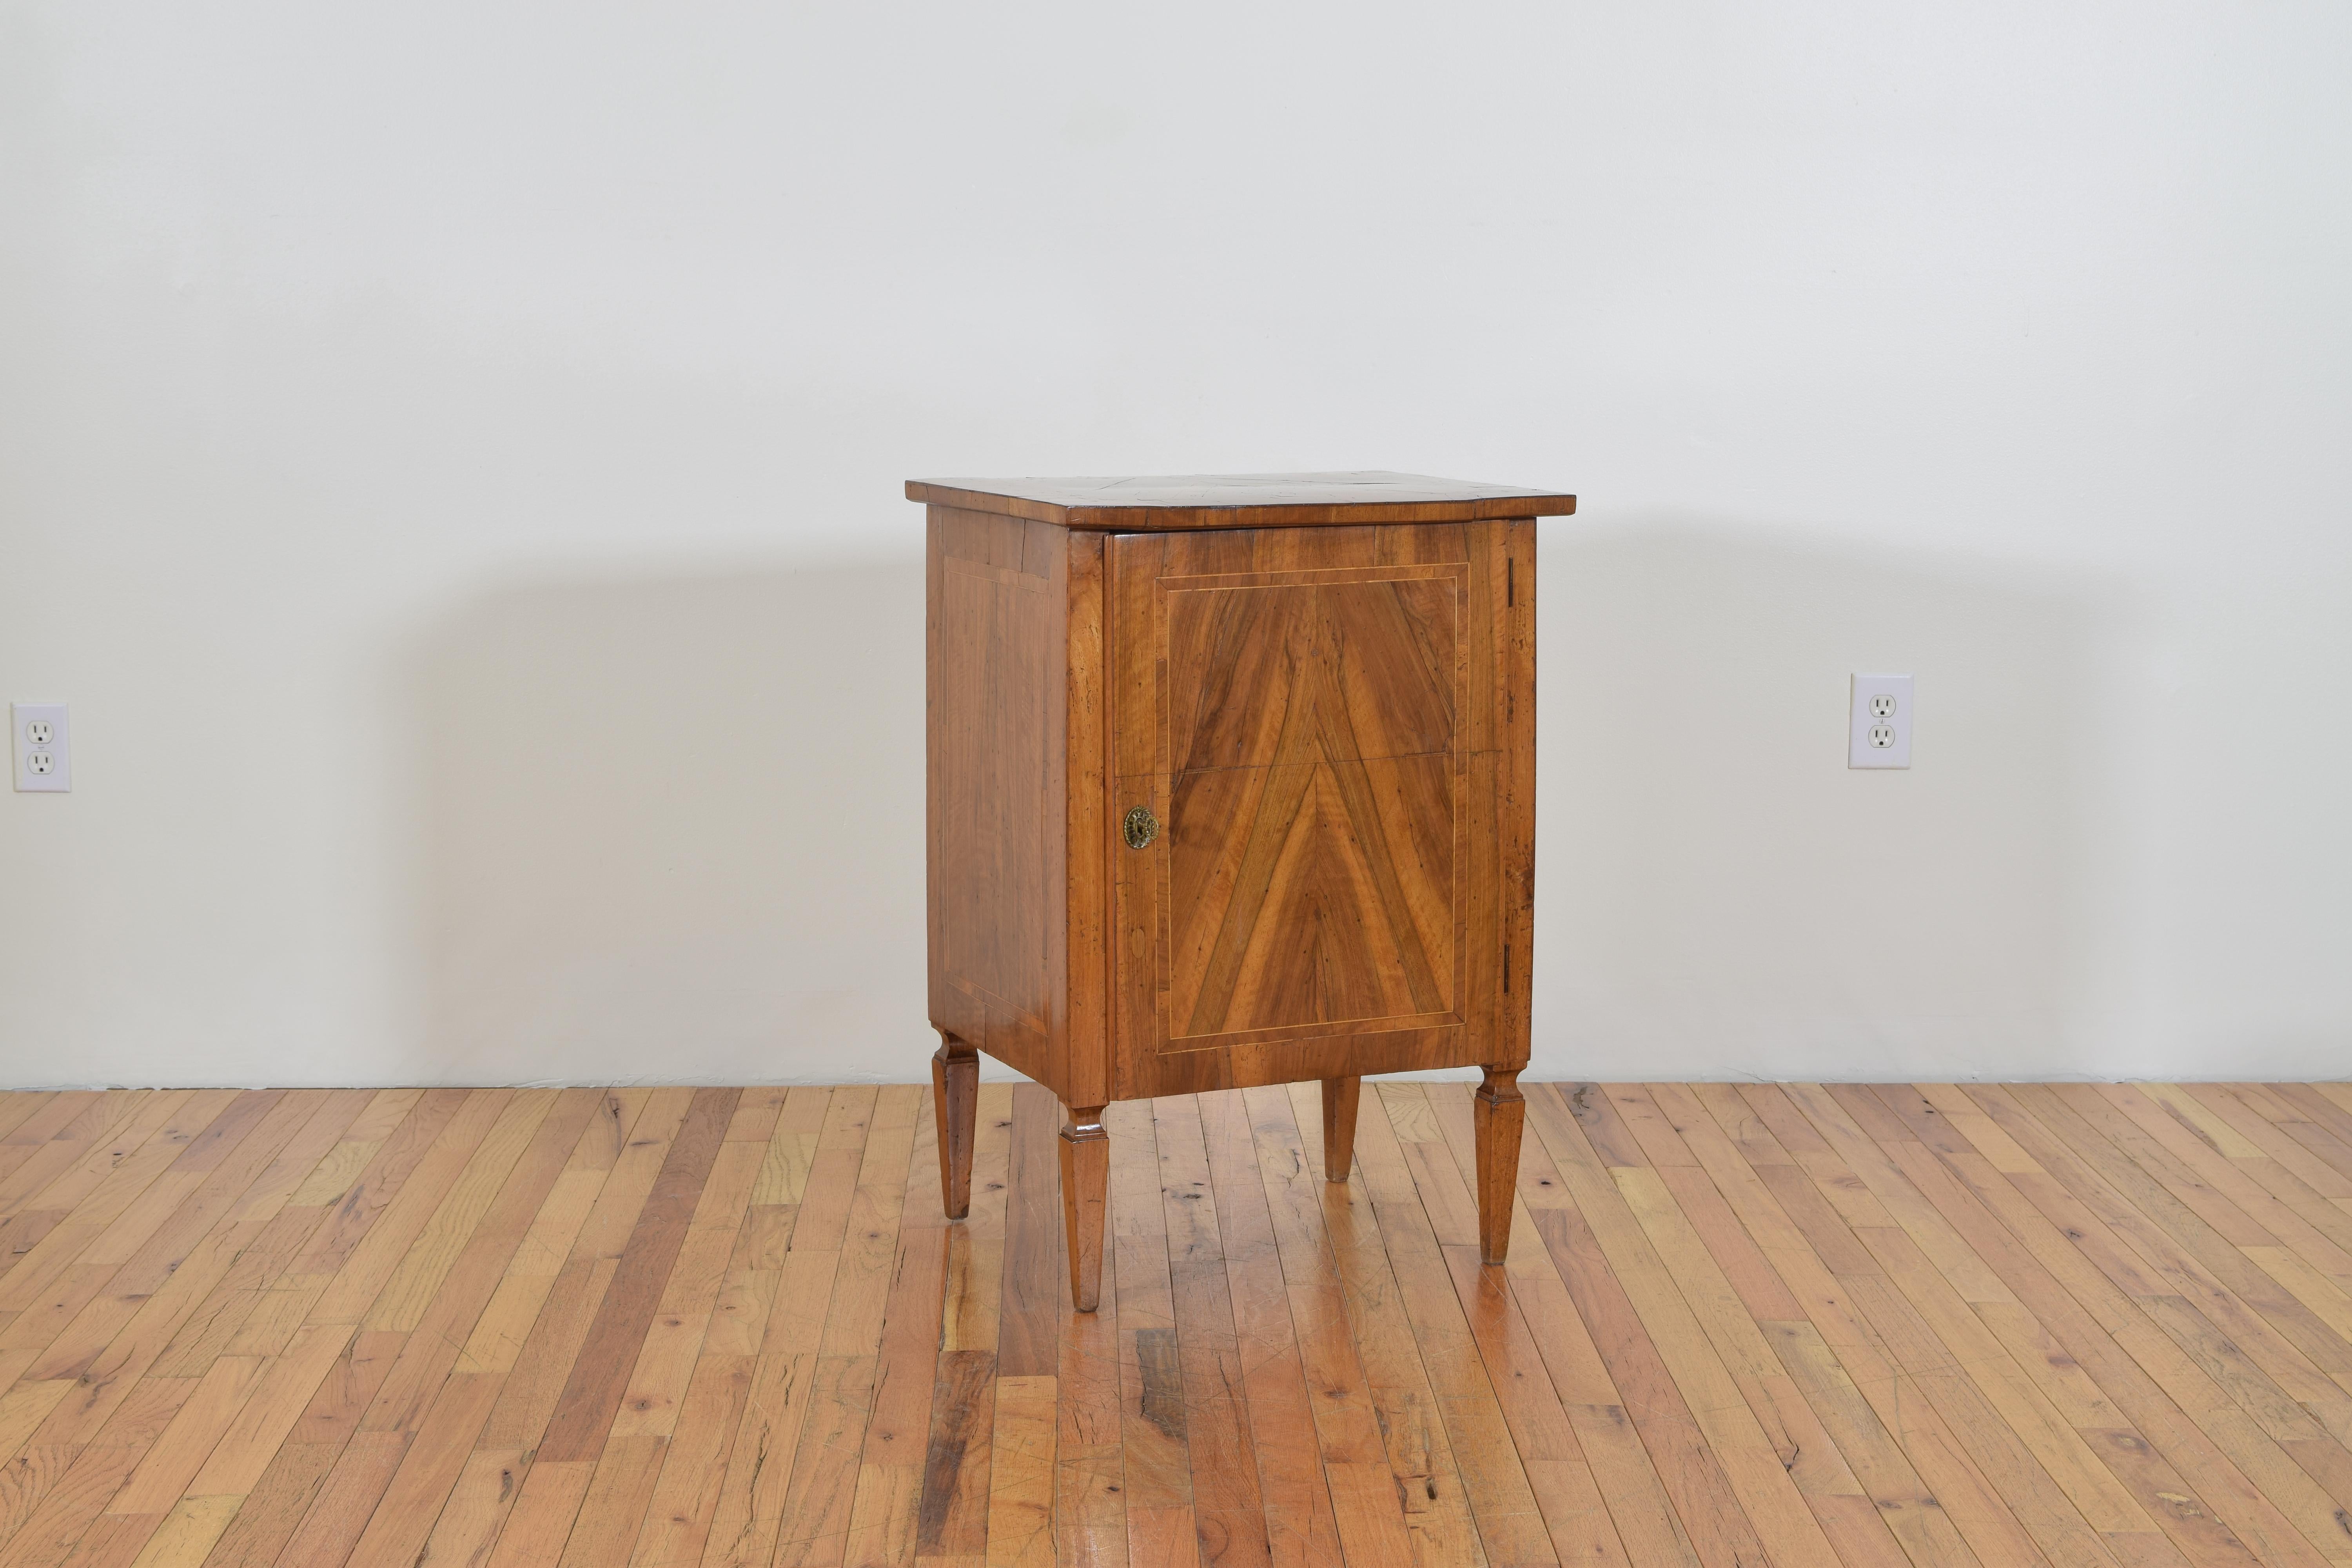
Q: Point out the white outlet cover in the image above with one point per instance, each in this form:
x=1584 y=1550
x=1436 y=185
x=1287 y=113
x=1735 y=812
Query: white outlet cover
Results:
x=1874 y=737
x=42 y=767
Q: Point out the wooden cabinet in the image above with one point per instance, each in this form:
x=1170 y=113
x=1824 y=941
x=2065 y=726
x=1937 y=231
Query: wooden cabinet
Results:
x=1232 y=782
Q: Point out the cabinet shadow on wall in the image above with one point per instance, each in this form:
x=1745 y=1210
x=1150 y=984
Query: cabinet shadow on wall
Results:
x=1720 y=896
x=670 y=828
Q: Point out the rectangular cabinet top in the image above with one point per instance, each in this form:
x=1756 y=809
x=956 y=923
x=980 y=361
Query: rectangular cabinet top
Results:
x=1161 y=503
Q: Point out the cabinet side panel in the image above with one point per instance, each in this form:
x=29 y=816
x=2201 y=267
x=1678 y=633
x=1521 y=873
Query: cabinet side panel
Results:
x=995 y=783
x=950 y=1009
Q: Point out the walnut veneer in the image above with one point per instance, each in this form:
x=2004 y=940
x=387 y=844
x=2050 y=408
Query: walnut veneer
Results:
x=1232 y=782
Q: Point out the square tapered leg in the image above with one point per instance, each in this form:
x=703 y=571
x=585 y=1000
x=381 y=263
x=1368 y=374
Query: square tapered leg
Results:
x=1339 y=1097
x=1085 y=1183
x=955 y=1101
x=1498 y=1115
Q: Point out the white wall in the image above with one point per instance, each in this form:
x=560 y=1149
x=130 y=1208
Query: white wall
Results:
x=449 y=458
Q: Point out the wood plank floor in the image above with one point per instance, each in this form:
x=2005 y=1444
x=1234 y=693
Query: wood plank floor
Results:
x=658 y=1327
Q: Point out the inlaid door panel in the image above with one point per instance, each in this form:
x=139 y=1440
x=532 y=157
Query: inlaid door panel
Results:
x=1346 y=664
x=1306 y=715
x=1312 y=894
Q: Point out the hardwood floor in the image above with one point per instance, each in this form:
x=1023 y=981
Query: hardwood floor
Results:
x=639 y=1328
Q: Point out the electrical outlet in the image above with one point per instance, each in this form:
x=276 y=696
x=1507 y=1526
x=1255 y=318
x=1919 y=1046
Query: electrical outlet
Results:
x=43 y=745
x=1879 y=735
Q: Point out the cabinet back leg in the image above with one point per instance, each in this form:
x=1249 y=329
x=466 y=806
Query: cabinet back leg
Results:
x=1085 y=1181
x=1339 y=1097
x=955 y=1101
x=1499 y=1115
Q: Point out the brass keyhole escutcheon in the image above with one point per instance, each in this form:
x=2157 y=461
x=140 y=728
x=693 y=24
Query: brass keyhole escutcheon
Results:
x=1140 y=827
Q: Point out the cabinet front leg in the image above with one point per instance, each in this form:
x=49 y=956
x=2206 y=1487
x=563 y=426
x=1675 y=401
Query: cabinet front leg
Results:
x=955 y=1100
x=1498 y=1113
x=1086 y=1180
x=1339 y=1097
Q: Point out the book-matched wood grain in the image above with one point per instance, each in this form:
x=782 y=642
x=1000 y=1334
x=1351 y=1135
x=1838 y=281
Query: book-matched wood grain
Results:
x=1328 y=725
x=1310 y=897
x=1267 y=668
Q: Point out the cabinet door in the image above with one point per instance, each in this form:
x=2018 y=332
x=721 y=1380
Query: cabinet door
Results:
x=1322 y=721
